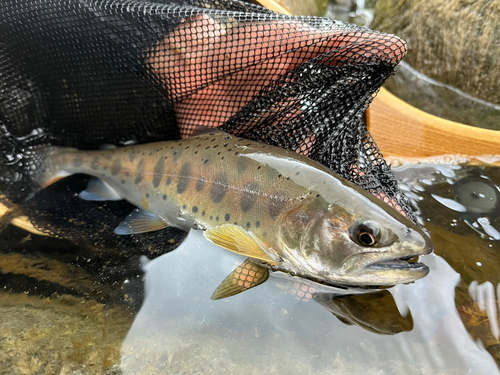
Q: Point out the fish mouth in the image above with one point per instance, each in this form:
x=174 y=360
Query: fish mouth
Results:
x=407 y=263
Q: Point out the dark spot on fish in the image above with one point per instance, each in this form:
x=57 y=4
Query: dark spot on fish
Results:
x=230 y=150
x=206 y=148
x=242 y=164
x=219 y=188
x=169 y=181
x=236 y=153
x=123 y=181
x=127 y=173
x=249 y=195
x=150 y=153
x=200 y=184
x=203 y=213
x=195 y=209
x=95 y=162
x=211 y=217
x=183 y=206
x=78 y=160
x=218 y=153
x=195 y=152
x=206 y=161
x=158 y=173
x=288 y=178
x=296 y=174
x=164 y=197
x=147 y=195
x=279 y=176
x=216 y=146
x=131 y=155
x=184 y=178
x=259 y=167
x=213 y=140
x=257 y=224
x=166 y=157
x=248 y=225
x=177 y=155
x=198 y=145
x=139 y=173
x=216 y=218
x=117 y=166
x=225 y=145
x=222 y=158
x=317 y=195
x=186 y=148
x=227 y=217
x=277 y=203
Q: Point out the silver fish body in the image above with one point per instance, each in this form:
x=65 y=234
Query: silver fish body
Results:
x=283 y=210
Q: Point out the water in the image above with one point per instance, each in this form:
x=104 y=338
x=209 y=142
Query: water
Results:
x=446 y=323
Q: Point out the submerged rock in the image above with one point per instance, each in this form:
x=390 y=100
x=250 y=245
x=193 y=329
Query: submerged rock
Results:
x=60 y=335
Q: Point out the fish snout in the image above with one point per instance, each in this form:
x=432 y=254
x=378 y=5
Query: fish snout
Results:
x=416 y=242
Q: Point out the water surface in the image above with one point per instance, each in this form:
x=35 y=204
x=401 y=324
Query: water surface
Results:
x=446 y=323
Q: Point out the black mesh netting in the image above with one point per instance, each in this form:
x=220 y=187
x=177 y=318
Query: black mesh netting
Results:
x=83 y=73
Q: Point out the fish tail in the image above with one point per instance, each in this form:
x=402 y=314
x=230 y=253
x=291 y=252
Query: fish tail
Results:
x=26 y=164
x=49 y=164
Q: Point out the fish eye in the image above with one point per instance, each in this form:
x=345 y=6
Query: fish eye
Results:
x=366 y=233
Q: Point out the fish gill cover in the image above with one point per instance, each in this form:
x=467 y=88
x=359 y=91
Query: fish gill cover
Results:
x=84 y=73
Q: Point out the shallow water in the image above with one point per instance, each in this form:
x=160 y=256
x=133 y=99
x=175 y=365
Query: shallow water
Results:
x=446 y=323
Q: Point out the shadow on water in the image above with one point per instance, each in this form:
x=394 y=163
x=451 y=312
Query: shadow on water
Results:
x=446 y=323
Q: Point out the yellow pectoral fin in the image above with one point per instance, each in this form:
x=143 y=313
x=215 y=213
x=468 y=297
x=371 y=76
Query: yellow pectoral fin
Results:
x=236 y=239
x=245 y=276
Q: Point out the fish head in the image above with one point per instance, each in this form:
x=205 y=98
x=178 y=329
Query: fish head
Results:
x=361 y=244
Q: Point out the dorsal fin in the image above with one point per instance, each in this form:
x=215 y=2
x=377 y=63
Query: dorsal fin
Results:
x=201 y=130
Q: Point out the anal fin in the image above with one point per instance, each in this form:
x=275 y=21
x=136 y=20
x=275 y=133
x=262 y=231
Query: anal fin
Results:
x=238 y=240
x=247 y=275
x=140 y=221
x=98 y=190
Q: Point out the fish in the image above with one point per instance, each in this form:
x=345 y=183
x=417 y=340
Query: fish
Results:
x=282 y=210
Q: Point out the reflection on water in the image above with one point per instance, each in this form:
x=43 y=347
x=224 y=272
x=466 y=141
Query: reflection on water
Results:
x=446 y=323
x=268 y=328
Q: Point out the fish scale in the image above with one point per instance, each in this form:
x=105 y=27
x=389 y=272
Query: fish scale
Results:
x=282 y=210
x=193 y=174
